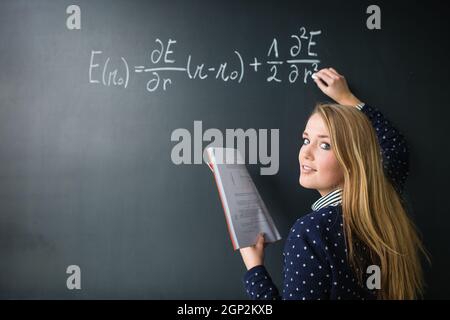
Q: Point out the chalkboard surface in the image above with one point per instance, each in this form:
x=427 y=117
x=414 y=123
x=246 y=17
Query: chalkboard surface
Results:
x=95 y=96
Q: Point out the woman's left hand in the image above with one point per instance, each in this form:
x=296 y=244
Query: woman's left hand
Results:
x=254 y=255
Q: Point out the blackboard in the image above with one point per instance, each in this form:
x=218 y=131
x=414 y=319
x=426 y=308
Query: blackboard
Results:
x=87 y=176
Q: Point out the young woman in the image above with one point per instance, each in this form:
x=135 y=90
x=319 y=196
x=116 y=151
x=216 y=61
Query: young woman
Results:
x=358 y=162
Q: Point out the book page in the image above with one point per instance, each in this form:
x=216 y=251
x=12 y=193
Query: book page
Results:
x=245 y=210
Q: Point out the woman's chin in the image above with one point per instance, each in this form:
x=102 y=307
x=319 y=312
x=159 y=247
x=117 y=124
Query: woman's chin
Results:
x=305 y=184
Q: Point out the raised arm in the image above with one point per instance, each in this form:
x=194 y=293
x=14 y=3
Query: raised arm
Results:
x=393 y=145
x=394 y=148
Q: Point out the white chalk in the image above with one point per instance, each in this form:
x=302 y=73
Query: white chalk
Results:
x=314 y=76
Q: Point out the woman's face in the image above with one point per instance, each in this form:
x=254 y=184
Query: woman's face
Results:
x=324 y=172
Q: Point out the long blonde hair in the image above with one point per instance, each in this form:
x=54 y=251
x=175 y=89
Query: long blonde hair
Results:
x=374 y=213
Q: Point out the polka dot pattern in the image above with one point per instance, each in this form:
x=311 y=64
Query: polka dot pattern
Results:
x=310 y=271
x=315 y=264
x=394 y=148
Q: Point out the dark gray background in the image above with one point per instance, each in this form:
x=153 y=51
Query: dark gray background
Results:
x=86 y=176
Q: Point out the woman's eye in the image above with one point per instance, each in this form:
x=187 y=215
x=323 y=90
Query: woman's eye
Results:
x=326 y=146
x=305 y=141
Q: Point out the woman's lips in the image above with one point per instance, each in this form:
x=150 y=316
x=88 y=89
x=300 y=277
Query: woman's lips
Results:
x=306 y=169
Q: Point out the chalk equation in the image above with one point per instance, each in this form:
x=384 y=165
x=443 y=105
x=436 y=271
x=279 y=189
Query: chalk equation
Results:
x=302 y=62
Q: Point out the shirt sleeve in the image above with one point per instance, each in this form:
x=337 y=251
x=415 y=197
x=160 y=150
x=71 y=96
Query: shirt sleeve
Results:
x=258 y=284
x=306 y=275
x=394 y=148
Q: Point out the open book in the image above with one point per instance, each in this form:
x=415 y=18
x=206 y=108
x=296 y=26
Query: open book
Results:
x=245 y=212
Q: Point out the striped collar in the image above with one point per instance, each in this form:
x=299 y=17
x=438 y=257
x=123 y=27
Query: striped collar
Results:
x=333 y=198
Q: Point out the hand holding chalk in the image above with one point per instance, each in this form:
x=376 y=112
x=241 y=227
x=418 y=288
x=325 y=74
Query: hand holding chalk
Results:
x=335 y=86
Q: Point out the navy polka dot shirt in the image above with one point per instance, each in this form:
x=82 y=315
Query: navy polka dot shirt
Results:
x=315 y=264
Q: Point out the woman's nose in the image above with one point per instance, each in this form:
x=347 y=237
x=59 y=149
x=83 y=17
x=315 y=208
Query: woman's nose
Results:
x=306 y=151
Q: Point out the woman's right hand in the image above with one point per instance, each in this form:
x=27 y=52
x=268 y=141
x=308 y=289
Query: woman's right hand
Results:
x=335 y=86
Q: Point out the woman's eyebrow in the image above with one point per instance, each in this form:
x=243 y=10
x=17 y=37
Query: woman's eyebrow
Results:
x=320 y=135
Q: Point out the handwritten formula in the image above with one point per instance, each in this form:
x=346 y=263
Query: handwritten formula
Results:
x=302 y=62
